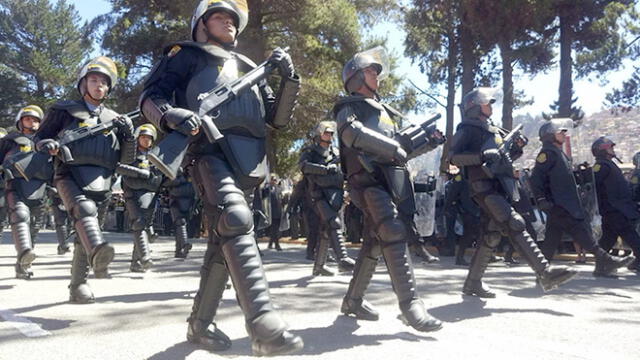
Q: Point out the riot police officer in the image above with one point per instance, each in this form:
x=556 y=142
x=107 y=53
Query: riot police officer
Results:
x=619 y=212
x=320 y=165
x=84 y=168
x=477 y=146
x=458 y=202
x=374 y=157
x=140 y=183
x=24 y=196
x=635 y=178
x=182 y=198
x=225 y=178
x=554 y=187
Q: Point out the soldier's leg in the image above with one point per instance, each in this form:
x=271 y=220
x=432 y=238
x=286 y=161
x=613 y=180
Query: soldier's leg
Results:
x=419 y=249
x=312 y=233
x=609 y=233
x=79 y=290
x=213 y=279
x=354 y=302
x=85 y=217
x=181 y=235
x=37 y=219
x=319 y=265
x=487 y=243
x=606 y=264
x=512 y=224
x=141 y=255
x=552 y=236
x=393 y=234
x=470 y=225
x=233 y=225
x=19 y=217
x=332 y=227
x=62 y=231
x=621 y=226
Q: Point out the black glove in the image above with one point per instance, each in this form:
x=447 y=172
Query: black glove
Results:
x=491 y=155
x=544 y=204
x=436 y=137
x=124 y=125
x=181 y=120
x=332 y=168
x=47 y=145
x=283 y=60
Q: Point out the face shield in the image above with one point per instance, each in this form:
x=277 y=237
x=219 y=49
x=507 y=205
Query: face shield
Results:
x=376 y=57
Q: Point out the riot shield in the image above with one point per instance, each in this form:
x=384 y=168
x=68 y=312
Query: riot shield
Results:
x=586 y=182
x=422 y=168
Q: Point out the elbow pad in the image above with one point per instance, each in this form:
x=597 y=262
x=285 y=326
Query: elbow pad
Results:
x=468 y=159
x=287 y=100
x=356 y=136
x=313 y=169
x=133 y=172
x=154 y=110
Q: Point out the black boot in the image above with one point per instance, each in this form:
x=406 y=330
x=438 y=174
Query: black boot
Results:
x=26 y=256
x=320 y=264
x=549 y=277
x=460 y=261
x=101 y=253
x=62 y=234
x=267 y=330
x=353 y=302
x=608 y=265
x=345 y=263
x=79 y=290
x=213 y=280
x=182 y=246
x=141 y=251
x=396 y=255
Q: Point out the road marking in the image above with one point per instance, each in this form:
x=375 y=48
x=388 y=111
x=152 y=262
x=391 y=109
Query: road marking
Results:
x=26 y=327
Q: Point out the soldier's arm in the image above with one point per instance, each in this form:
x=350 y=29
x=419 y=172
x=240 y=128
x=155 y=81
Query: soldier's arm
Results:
x=54 y=121
x=354 y=134
x=459 y=154
x=308 y=167
x=172 y=72
x=539 y=175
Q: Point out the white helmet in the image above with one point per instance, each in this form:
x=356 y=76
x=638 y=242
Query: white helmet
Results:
x=236 y=8
x=102 y=65
x=147 y=129
x=30 y=110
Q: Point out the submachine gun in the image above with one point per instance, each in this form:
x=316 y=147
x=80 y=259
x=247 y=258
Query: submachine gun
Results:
x=169 y=154
x=31 y=163
x=502 y=169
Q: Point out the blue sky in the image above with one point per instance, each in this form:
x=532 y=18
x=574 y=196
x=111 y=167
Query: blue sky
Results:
x=543 y=88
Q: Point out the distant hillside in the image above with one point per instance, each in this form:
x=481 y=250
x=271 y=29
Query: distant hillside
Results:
x=623 y=129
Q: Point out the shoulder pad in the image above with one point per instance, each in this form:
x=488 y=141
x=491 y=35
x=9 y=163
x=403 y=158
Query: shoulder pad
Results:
x=207 y=48
x=458 y=178
x=250 y=63
x=12 y=135
x=75 y=108
x=597 y=167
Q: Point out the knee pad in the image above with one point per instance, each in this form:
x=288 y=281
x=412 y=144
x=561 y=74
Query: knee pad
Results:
x=235 y=219
x=516 y=222
x=392 y=230
x=492 y=239
x=20 y=214
x=335 y=223
x=498 y=208
x=84 y=208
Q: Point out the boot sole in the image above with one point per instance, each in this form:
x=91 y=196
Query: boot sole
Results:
x=484 y=296
x=206 y=346
x=561 y=281
x=291 y=348
x=102 y=259
x=73 y=300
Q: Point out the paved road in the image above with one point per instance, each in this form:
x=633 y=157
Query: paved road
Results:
x=142 y=316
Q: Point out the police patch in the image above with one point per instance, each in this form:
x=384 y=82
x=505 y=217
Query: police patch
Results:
x=498 y=139
x=542 y=158
x=634 y=180
x=596 y=167
x=25 y=148
x=174 y=50
x=458 y=178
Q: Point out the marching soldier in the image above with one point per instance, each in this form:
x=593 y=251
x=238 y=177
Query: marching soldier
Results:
x=84 y=169
x=619 y=212
x=374 y=155
x=182 y=198
x=24 y=197
x=478 y=146
x=225 y=178
x=554 y=187
x=320 y=165
x=140 y=183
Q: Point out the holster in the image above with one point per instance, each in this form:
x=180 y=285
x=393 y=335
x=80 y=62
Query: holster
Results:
x=399 y=185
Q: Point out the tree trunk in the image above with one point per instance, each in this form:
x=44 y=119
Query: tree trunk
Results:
x=469 y=60
x=452 y=66
x=507 y=84
x=566 y=68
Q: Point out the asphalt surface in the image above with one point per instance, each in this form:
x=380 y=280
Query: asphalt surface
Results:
x=143 y=316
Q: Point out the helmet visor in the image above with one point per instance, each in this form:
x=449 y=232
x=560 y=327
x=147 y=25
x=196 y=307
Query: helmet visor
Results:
x=376 y=57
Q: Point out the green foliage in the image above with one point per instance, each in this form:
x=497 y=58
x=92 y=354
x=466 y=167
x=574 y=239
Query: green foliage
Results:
x=42 y=45
x=627 y=97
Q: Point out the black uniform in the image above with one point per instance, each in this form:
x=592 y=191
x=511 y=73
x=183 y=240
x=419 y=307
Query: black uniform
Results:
x=140 y=184
x=25 y=199
x=294 y=209
x=380 y=186
x=274 y=196
x=182 y=198
x=60 y=219
x=555 y=189
x=85 y=184
x=474 y=140
x=619 y=213
x=188 y=70
x=325 y=181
